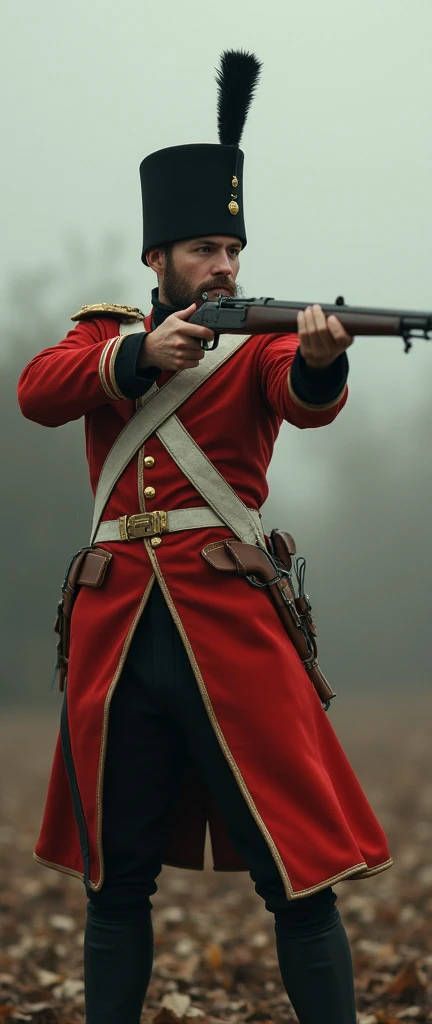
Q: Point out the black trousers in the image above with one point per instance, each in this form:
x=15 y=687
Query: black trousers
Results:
x=157 y=723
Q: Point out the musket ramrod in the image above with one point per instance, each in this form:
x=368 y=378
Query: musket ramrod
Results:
x=232 y=315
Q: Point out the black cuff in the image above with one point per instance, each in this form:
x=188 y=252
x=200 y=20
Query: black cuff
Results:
x=317 y=387
x=133 y=382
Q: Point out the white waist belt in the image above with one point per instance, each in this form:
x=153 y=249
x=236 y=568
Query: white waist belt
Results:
x=152 y=524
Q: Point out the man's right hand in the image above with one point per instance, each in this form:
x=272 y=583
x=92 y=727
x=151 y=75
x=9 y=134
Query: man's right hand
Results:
x=175 y=344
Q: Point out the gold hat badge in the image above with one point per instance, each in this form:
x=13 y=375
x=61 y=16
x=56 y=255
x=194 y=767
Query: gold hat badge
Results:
x=233 y=206
x=236 y=79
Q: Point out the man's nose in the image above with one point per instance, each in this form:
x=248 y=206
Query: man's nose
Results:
x=222 y=266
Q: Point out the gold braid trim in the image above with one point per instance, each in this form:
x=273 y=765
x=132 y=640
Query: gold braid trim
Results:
x=103 y=379
x=309 y=405
x=111 y=370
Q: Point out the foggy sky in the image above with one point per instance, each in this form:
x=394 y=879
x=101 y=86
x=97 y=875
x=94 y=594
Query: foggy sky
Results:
x=338 y=159
x=338 y=148
x=338 y=143
x=338 y=156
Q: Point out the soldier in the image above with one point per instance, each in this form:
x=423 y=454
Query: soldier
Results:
x=186 y=701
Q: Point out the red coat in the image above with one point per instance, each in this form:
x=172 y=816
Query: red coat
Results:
x=269 y=721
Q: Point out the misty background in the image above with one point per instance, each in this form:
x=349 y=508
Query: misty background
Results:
x=337 y=188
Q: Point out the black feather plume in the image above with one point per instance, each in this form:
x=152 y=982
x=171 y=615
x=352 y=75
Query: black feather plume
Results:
x=236 y=79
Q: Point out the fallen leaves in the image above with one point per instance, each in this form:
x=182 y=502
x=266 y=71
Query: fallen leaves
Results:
x=46 y=979
x=176 y=1003
x=176 y=1007
x=6 y=1011
x=69 y=989
x=62 y=923
x=215 y=957
x=410 y=984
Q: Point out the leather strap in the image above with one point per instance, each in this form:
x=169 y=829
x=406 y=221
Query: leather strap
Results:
x=157 y=405
x=74 y=789
x=177 y=519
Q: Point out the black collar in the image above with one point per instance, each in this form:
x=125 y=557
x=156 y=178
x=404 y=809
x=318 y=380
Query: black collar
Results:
x=160 y=309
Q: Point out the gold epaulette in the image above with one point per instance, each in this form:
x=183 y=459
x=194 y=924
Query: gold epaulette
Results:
x=126 y=314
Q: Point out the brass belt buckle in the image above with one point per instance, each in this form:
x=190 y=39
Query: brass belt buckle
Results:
x=144 y=524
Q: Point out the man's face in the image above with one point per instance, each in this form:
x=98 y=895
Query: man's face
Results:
x=209 y=264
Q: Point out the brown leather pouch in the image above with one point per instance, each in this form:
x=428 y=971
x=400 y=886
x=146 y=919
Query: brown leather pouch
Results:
x=86 y=569
x=273 y=570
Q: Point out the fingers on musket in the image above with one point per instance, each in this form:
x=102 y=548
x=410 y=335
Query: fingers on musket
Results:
x=316 y=323
x=337 y=329
x=320 y=320
x=310 y=320
x=301 y=323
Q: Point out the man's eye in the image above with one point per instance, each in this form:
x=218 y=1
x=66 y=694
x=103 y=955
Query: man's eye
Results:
x=206 y=248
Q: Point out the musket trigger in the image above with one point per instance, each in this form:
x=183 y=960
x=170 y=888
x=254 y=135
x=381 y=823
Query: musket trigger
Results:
x=407 y=340
x=209 y=346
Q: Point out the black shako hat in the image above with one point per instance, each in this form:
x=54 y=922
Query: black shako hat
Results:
x=197 y=190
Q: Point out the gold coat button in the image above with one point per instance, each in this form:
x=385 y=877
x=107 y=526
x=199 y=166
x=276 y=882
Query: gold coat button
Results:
x=149 y=492
x=149 y=461
x=155 y=541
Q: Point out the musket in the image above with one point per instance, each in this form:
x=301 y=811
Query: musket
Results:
x=230 y=315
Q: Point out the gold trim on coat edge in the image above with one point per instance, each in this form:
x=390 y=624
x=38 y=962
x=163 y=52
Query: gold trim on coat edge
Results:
x=59 y=867
x=310 y=406
x=100 y=776
x=102 y=374
x=290 y=892
x=111 y=369
x=376 y=871
x=349 y=878
x=349 y=875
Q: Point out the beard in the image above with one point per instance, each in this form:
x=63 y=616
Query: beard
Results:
x=180 y=294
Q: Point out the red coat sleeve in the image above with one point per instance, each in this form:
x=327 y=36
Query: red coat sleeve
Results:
x=276 y=359
x=69 y=380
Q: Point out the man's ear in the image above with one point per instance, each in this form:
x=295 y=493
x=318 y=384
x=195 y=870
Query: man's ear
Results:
x=156 y=260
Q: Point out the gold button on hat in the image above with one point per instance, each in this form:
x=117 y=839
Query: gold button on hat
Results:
x=149 y=461
x=155 y=541
x=149 y=492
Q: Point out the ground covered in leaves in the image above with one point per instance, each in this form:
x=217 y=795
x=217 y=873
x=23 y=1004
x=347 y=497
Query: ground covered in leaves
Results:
x=215 y=956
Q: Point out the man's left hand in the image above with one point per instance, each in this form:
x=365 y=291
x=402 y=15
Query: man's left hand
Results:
x=321 y=340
